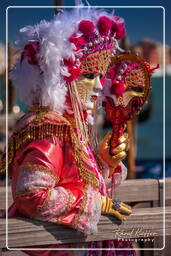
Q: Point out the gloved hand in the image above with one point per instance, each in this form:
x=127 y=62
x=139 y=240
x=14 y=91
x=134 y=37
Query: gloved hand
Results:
x=114 y=208
x=119 y=153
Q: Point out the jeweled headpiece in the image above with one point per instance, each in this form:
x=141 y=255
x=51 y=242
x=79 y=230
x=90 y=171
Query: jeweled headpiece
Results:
x=96 y=43
x=55 y=53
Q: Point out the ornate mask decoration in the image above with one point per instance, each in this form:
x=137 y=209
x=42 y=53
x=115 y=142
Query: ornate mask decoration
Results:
x=126 y=90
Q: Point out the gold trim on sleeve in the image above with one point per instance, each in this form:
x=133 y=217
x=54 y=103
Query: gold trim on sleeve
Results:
x=68 y=208
x=27 y=192
x=35 y=167
x=81 y=209
x=37 y=212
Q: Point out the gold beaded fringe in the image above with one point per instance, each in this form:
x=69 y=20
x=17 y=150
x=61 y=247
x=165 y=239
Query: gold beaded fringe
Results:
x=31 y=133
x=35 y=132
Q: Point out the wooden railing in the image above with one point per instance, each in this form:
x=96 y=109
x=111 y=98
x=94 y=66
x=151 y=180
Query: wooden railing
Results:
x=145 y=223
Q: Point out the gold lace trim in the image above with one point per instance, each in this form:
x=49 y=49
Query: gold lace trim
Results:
x=37 y=212
x=71 y=120
x=82 y=159
x=40 y=112
x=81 y=209
x=35 y=167
x=96 y=63
x=27 y=192
x=68 y=208
x=135 y=78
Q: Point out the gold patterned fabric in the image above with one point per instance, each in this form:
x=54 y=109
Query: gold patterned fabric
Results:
x=96 y=63
x=135 y=78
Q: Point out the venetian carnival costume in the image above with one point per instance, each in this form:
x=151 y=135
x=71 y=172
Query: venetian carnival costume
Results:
x=56 y=175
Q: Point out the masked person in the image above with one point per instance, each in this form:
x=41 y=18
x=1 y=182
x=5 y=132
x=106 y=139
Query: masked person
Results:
x=56 y=174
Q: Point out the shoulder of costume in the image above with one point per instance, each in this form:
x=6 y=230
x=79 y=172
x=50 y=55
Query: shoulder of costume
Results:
x=38 y=123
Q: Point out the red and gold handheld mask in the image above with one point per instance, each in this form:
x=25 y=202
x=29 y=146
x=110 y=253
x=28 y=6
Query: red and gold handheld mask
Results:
x=126 y=90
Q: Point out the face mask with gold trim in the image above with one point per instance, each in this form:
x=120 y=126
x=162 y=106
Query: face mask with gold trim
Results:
x=89 y=88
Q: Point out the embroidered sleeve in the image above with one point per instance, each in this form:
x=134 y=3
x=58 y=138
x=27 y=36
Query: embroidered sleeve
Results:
x=33 y=178
x=39 y=193
x=89 y=213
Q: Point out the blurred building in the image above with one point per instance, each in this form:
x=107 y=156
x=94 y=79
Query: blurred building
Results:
x=13 y=55
x=153 y=52
x=2 y=59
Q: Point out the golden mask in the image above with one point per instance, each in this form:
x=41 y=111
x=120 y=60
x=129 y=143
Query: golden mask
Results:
x=88 y=88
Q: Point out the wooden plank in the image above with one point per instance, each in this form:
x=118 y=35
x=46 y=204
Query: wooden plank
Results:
x=141 y=223
x=138 y=190
x=13 y=253
x=167 y=250
x=3 y=197
x=168 y=188
x=129 y=191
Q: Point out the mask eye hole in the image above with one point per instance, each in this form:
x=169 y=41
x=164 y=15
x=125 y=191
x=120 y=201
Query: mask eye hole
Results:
x=137 y=89
x=89 y=76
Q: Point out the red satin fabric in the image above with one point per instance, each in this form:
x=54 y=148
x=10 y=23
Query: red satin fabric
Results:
x=58 y=156
x=48 y=153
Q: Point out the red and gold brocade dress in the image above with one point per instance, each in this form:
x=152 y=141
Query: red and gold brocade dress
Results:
x=56 y=179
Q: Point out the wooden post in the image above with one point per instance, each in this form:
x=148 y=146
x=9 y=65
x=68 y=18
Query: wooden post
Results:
x=11 y=88
x=131 y=125
x=124 y=44
x=3 y=90
x=57 y=3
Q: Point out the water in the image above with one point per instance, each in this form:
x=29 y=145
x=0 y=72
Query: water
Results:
x=150 y=132
x=151 y=147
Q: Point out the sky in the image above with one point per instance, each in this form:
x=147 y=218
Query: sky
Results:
x=140 y=22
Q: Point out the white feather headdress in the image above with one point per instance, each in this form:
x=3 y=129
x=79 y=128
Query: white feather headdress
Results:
x=44 y=83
